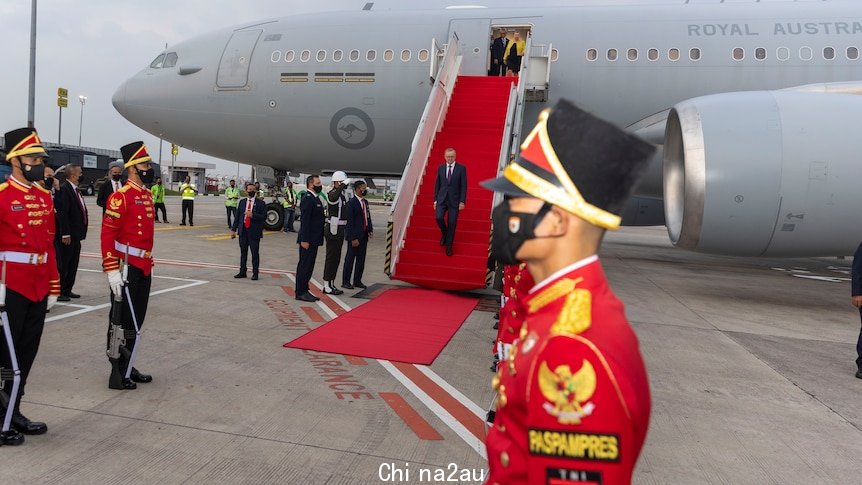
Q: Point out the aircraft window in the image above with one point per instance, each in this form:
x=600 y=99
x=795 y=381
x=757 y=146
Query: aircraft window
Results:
x=652 y=54
x=321 y=55
x=337 y=55
x=673 y=54
x=828 y=54
x=423 y=55
x=782 y=53
x=632 y=54
x=853 y=53
x=171 y=59
x=760 y=53
x=612 y=54
x=157 y=62
x=405 y=55
x=289 y=56
x=354 y=55
x=371 y=55
x=592 y=54
x=275 y=56
x=738 y=54
x=304 y=56
x=388 y=55
x=555 y=54
x=805 y=53
x=694 y=54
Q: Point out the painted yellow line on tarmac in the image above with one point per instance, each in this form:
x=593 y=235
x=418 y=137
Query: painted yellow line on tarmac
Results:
x=222 y=237
x=180 y=228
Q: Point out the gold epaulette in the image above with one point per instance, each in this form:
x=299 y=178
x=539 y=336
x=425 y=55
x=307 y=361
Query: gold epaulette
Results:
x=4 y=186
x=124 y=189
x=576 y=314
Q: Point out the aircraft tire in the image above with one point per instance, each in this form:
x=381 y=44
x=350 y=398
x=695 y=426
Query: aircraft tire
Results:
x=274 y=217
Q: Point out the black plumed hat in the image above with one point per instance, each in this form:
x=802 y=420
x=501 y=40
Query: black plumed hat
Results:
x=23 y=142
x=135 y=153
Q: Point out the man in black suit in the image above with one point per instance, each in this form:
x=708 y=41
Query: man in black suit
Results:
x=450 y=196
x=357 y=233
x=72 y=216
x=113 y=183
x=310 y=236
x=856 y=299
x=248 y=223
x=498 y=54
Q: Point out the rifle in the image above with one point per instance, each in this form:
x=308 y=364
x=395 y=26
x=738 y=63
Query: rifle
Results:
x=117 y=351
x=9 y=400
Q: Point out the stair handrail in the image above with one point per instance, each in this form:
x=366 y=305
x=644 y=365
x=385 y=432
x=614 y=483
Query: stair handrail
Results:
x=508 y=130
x=518 y=121
x=430 y=123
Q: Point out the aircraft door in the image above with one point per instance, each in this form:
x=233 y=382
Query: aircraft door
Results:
x=474 y=39
x=236 y=59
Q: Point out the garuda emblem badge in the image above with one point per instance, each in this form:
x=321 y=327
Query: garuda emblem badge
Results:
x=567 y=394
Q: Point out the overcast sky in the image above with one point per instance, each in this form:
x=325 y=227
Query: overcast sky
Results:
x=91 y=46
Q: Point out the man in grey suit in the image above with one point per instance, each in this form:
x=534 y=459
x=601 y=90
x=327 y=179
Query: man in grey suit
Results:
x=450 y=197
x=248 y=223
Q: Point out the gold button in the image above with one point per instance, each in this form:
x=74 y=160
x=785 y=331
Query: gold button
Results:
x=495 y=382
x=514 y=313
x=501 y=427
x=23 y=234
x=502 y=399
x=511 y=329
x=140 y=233
x=139 y=217
x=504 y=459
x=23 y=243
x=512 y=292
x=20 y=226
x=523 y=333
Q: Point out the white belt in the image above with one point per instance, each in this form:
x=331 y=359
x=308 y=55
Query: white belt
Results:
x=24 y=258
x=132 y=251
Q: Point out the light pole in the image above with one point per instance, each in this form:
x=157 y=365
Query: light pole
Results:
x=83 y=100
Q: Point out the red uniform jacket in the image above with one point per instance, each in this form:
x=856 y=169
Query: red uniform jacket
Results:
x=574 y=402
x=516 y=284
x=27 y=225
x=128 y=220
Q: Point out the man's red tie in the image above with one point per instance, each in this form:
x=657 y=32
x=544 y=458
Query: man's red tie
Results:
x=83 y=206
x=364 y=214
x=248 y=206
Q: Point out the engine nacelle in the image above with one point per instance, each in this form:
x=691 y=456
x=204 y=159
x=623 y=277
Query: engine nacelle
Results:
x=766 y=173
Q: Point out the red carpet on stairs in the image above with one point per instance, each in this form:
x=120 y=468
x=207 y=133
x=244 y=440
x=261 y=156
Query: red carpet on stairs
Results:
x=410 y=325
x=474 y=128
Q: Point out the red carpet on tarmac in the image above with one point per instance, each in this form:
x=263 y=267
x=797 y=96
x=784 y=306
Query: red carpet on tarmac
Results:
x=404 y=325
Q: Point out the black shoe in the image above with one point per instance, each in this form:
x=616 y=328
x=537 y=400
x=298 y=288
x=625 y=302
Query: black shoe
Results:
x=142 y=378
x=360 y=285
x=182 y=223
x=348 y=286
x=24 y=425
x=11 y=438
x=191 y=224
x=158 y=220
x=254 y=277
x=239 y=275
x=448 y=250
x=490 y=416
x=73 y=295
x=497 y=316
x=63 y=298
x=167 y=222
x=127 y=384
x=307 y=297
x=859 y=374
x=496 y=325
x=443 y=241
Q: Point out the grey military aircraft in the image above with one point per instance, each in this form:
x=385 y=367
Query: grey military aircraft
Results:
x=754 y=103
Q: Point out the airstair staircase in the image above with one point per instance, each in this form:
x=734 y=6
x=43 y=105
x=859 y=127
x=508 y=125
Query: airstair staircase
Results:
x=480 y=117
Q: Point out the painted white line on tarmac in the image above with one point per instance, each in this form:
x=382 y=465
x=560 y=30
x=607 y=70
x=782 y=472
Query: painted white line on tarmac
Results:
x=464 y=400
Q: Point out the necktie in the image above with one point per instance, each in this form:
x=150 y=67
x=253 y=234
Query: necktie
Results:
x=248 y=205
x=448 y=172
x=364 y=213
x=83 y=206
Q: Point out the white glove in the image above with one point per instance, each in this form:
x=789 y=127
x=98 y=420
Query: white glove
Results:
x=115 y=282
x=52 y=300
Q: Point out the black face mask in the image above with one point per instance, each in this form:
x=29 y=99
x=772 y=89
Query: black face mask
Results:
x=81 y=179
x=116 y=177
x=317 y=188
x=512 y=230
x=33 y=173
x=147 y=176
x=49 y=183
x=364 y=192
x=251 y=193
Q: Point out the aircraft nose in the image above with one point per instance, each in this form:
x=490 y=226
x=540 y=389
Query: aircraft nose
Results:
x=119 y=99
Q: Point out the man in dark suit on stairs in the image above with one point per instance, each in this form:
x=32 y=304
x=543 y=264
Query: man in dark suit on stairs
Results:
x=450 y=196
x=248 y=223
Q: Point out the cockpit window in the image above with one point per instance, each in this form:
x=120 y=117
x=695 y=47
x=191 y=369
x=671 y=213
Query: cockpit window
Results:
x=158 y=61
x=170 y=60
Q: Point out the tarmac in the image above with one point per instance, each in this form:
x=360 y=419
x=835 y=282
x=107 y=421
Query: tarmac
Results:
x=750 y=363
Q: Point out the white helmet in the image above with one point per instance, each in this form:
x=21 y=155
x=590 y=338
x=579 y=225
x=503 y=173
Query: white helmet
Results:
x=340 y=176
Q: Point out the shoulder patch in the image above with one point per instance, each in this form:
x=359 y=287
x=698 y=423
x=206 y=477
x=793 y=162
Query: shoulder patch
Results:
x=576 y=315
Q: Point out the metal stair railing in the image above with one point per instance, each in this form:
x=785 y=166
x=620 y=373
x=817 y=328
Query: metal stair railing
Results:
x=429 y=125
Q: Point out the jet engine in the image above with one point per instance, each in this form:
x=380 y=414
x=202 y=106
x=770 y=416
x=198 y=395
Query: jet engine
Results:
x=765 y=173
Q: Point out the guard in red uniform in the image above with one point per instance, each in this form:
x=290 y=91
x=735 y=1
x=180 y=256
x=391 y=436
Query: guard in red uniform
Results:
x=573 y=400
x=127 y=259
x=30 y=282
x=516 y=283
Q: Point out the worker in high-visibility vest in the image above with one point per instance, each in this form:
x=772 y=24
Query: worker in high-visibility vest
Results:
x=231 y=201
x=289 y=207
x=188 y=192
x=158 y=191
